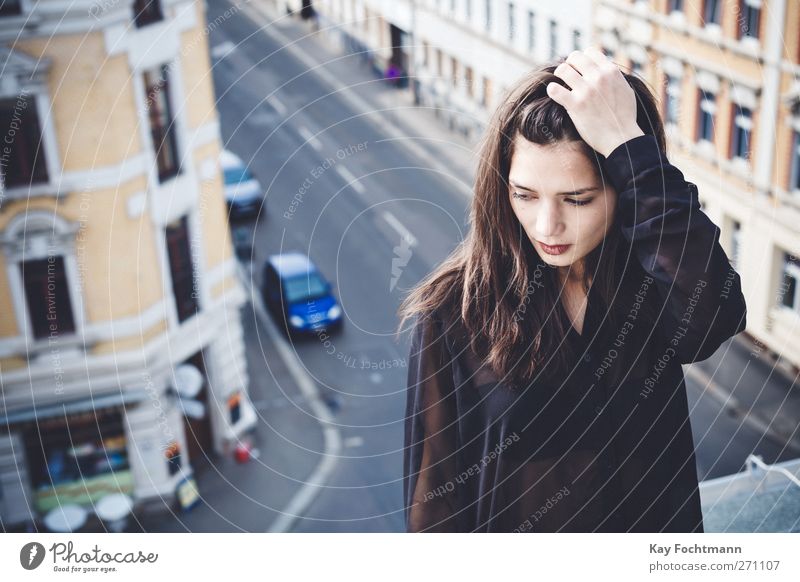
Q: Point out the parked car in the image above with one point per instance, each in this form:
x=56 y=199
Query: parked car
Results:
x=243 y=242
x=297 y=293
x=243 y=193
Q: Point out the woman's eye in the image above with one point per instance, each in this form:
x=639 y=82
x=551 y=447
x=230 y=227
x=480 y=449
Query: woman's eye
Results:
x=578 y=202
x=520 y=196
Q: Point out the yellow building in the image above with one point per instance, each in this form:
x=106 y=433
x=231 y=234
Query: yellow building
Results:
x=116 y=267
x=724 y=72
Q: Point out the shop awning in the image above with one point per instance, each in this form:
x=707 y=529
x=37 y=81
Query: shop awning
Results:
x=74 y=406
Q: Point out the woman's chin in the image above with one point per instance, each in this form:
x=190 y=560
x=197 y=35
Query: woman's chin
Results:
x=563 y=260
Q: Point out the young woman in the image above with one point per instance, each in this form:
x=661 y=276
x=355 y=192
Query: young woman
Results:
x=545 y=388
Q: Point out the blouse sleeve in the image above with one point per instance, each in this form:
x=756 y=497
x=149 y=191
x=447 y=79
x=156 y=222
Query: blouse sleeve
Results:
x=678 y=246
x=431 y=435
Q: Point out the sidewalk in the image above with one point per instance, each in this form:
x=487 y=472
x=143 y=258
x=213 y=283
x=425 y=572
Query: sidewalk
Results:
x=745 y=380
x=287 y=443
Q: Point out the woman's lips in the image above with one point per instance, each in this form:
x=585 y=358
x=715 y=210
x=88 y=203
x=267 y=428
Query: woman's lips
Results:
x=554 y=250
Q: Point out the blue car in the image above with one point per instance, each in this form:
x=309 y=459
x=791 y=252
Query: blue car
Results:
x=295 y=290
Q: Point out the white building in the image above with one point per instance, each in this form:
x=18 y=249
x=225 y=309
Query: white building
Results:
x=465 y=53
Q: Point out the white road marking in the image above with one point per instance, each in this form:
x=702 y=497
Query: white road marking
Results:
x=277 y=105
x=223 y=49
x=393 y=221
x=350 y=179
x=261 y=118
x=310 y=138
x=353 y=441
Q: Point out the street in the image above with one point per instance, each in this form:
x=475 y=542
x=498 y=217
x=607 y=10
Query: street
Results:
x=376 y=218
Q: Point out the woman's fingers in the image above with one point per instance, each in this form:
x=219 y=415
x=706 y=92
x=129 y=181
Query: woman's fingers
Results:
x=597 y=56
x=560 y=95
x=584 y=64
x=570 y=76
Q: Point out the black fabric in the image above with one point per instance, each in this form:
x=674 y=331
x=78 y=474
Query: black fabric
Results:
x=608 y=447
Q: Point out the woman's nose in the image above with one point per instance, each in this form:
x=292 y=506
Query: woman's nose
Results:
x=548 y=220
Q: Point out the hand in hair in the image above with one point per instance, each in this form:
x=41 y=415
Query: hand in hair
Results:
x=600 y=102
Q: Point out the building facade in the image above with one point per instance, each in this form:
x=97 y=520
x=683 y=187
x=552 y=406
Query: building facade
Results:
x=724 y=71
x=462 y=54
x=726 y=75
x=116 y=271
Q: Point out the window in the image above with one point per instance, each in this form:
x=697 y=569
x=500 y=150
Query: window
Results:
x=748 y=18
x=553 y=39
x=468 y=9
x=794 y=181
x=672 y=95
x=531 y=31
x=10 y=7
x=511 y=23
x=304 y=288
x=711 y=12
x=469 y=81
x=439 y=62
x=675 y=6
x=789 y=290
x=426 y=49
x=78 y=458
x=146 y=12
x=22 y=162
x=47 y=296
x=454 y=71
x=486 y=94
x=488 y=14
x=162 y=122
x=736 y=242
x=740 y=133
x=576 y=40
x=182 y=269
x=705 y=117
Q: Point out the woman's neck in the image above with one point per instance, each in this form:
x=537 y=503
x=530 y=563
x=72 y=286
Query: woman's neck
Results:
x=572 y=275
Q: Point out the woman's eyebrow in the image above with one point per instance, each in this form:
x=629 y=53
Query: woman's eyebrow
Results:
x=573 y=193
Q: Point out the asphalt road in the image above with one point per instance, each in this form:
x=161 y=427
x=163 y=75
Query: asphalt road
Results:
x=352 y=214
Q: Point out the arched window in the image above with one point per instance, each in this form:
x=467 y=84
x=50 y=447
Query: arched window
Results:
x=43 y=275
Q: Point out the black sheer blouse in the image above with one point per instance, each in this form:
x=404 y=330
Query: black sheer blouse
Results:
x=608 y=448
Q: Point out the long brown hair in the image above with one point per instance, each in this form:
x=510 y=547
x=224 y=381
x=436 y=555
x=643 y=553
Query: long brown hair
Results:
x=494 y=284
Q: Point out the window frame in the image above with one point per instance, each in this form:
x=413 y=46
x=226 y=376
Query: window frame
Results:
x=790 y=269
x=716 y=14
x=170 y=132
x=531 y=31
x=553 y=38
x=746 y=8
x=699 y=137
x=183 y=314
x=144 y=16
x=31 y=235
x=736 y=128
x=512 y=28
x=672 y=94
x=24 y=106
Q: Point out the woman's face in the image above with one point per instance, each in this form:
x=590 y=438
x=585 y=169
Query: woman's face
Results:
x=559 y=198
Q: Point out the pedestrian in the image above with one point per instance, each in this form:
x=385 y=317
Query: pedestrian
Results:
x=545 y=388
x=392 y=74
